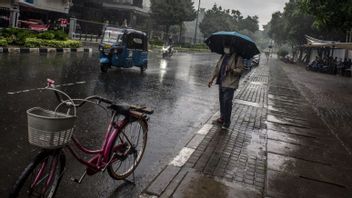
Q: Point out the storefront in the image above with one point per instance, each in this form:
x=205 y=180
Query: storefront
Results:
x=15 y=13
x=115 y=12
x=5 y=13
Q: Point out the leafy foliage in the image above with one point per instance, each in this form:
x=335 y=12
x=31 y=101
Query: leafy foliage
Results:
x=3 y=42
x=329 y=14
x=35 y=42
x=216 y=19
x=291 y=26
x=156 y=42
x=172 y=12
x=219 y=19
x=46 y=36
x=249 y=23
x=16 y=36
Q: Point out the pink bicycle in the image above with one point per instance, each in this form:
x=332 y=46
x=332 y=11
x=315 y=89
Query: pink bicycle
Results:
x=120 y=153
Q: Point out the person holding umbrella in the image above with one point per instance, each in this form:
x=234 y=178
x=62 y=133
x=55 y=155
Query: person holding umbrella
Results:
x=234 y=47
x=227 y=73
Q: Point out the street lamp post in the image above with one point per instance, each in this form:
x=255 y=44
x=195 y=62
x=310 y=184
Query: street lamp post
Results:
x=196 y=28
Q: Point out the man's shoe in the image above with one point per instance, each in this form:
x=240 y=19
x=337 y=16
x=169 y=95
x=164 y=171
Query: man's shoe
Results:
x=225 y=127
x=220 y=121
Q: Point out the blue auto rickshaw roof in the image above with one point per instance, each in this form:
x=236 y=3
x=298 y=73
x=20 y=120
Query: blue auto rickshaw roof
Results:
x=126 y=30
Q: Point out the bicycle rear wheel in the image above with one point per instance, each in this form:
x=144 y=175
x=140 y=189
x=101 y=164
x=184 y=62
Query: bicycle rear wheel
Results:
x=34 y=180
x=128 y=149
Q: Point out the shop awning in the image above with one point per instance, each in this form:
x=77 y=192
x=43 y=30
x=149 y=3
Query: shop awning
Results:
x=316 y=43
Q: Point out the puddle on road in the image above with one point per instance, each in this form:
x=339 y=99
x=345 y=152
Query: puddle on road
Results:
x=197 y=185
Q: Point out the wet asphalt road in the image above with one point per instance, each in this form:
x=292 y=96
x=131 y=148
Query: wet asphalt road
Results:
x=176 y=89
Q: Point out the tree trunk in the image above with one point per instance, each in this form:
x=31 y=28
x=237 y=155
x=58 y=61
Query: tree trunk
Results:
x=167 y=29
x=180 y=37
x=300 y=54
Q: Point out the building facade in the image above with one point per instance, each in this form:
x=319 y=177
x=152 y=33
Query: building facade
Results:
x=12 y=12
x=116 y=12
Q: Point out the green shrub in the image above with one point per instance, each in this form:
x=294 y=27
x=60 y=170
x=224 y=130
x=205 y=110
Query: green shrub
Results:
x=282 y=52
x=60 y=35
x=186 y=45
x=35 y=42
x=46 y=35
x=3 y=42
x=156 y=42
x=16 y=36
x=200 y=46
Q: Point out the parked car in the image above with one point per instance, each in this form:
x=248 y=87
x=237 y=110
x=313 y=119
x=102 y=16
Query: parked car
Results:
x=34 y=24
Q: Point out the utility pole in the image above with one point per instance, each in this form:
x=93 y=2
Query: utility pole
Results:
x=14 y=13
x=196 y=28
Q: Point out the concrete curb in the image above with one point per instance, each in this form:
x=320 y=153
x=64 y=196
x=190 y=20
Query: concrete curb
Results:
x=18 y=50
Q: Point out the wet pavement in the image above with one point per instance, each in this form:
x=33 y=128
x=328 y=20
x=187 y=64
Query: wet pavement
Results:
x=279 y=145
x=305 y=158
x=176 y=89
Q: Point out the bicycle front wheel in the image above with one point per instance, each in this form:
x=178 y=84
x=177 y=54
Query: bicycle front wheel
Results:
x=128 y=149
x=41 y=177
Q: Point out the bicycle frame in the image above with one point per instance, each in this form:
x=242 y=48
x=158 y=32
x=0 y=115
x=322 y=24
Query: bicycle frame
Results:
x=98 y=162
x=101 y=158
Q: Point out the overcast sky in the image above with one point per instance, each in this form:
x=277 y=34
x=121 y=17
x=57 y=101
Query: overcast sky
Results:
x=262 y=8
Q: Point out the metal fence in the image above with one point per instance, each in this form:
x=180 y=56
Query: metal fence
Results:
x=93 y=38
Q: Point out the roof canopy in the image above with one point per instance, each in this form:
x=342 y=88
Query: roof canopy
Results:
x=316 y=43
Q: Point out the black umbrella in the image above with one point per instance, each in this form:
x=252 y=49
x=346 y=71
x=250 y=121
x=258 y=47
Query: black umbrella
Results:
x=241 y=44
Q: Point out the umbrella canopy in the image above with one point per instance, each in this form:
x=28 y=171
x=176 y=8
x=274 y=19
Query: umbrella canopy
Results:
x=241 y=44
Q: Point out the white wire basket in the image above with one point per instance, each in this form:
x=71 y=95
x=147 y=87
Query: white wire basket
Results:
x=49 y=129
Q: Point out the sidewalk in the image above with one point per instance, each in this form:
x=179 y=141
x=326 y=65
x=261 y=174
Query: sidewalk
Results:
x=277 y=147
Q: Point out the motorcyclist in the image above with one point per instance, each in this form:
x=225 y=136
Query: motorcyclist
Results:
x=170 y=43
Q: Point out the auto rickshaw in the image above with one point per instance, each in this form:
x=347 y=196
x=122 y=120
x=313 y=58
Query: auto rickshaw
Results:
x=123 y=48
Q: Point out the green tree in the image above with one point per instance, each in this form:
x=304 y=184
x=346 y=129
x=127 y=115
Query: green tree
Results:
x=297 y=24
x=329 y=14
x=216 y=19
x=249 y=23
x=276 y=28
x=172 y=12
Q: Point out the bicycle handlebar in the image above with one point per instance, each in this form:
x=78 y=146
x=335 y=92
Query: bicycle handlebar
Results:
x=99 y=99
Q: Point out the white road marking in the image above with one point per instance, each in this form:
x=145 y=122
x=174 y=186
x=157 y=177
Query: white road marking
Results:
x=182 y=157
x=205 y=129
x=60 y=85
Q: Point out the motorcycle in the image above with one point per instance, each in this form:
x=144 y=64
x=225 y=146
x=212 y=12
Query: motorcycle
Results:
x=167 y=51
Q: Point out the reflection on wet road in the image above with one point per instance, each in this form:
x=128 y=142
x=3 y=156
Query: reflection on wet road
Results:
x=175 y=88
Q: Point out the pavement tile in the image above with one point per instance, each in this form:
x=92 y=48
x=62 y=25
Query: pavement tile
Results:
x=174 y=184
x=309 y=169
x=287 y=186
x=163 y=180
x=338 y=157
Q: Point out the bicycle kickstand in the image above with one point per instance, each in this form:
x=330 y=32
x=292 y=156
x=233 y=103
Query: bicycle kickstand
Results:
x=133 y=182
x=79 y=181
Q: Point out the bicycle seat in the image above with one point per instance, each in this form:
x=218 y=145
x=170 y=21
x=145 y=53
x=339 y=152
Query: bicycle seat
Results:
x=123 y=109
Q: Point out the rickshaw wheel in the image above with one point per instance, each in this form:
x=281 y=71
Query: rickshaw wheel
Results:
x=144 y=67
x=104 y=68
